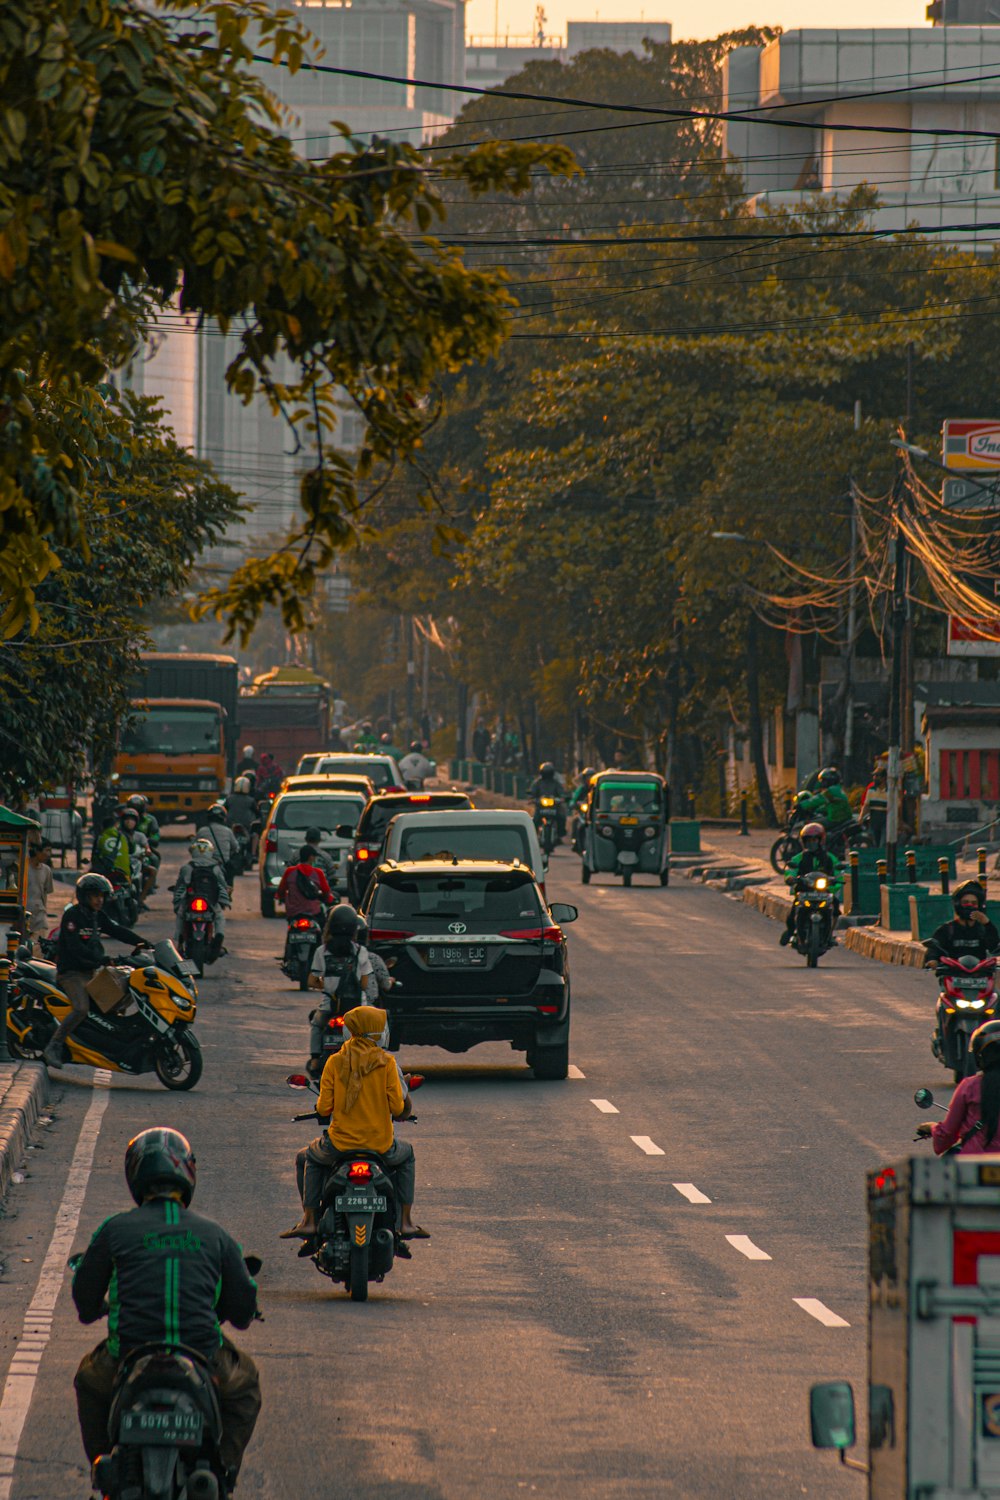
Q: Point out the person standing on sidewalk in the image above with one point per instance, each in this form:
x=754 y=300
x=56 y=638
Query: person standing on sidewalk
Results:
x=40 y=887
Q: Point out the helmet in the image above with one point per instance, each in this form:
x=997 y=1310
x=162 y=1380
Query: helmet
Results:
x=342 y=922
x=969 y=889
x=89 y=884
x=217 y=813
x=416 y=748
x=587 y=772
x=546 y=768
x=139 y=801
x=813 y=831
x=249 y=750
x=201 y=846
x=358 y=747
x=988 y=1035
x=242 y=785
x=126 y=810
x=829 y=776
x=367 y=726
x=160 y=1155
x=385 y=739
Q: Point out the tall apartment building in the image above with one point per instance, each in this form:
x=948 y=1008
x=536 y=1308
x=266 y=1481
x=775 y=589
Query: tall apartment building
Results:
x=490 y=61
x=929 y=78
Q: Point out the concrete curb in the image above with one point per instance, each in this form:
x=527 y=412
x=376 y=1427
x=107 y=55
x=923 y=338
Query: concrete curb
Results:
x=24 y=1090
x=872 y=942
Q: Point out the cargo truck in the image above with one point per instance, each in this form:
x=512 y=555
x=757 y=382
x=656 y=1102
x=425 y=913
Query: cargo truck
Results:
x=180 y=749
x=286 y=712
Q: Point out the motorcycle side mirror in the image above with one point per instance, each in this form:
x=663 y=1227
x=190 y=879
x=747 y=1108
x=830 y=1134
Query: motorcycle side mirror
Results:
x=23 y=952
x=344 y=831
x=253 y=1263
x=923 y=1099
x=74 y=1261
x=297 y=1081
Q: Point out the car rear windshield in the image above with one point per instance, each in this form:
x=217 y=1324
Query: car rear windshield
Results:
x=438 y=841
x=377 y=814
x=376 y=770
x=434 y=901
x=628 y=796
x=316 y=812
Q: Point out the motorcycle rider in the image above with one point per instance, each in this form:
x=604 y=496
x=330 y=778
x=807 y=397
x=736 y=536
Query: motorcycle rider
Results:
x=341 y=965
x=304 y=889
x=971 y=930
x=241 y=807
x=149 y=827
x=361 y=1093
x=223 y=840
x=269 y=775
x=204 y=876
x=115 y=845
x=387 y=746
x=247 y=765
x=171 y=1277
x=80 y=952
x=973 y=1117
x=367 y=738
x=415 y=766
x=321 y=859
x=829 y=801
x=814 y=857
x=548 y=784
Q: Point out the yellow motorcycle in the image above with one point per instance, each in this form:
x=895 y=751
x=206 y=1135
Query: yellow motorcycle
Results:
x=150 y=1031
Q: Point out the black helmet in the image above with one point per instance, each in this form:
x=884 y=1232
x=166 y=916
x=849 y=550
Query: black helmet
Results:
x=138 y=801
x=156 y=1156
x=586 y=774
x=416 y=748
x=546 y=768
x=88 y=884
x=960 y=895
x=385 y=739
x=987 y=1036
x=829 y=776
x=342 y=922
x=217 y=813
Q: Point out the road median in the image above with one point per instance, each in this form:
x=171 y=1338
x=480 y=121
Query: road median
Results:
x=24 y=1091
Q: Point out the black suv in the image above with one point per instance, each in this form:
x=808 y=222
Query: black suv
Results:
x=477 y=956
x=369 y=836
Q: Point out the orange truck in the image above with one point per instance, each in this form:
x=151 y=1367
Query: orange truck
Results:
x=181 y=745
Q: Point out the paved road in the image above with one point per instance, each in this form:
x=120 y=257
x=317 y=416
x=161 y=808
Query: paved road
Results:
x=579 y=1324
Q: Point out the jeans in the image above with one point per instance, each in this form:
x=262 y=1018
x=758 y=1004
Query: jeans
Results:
x=237 y=1385
x=314 y=1161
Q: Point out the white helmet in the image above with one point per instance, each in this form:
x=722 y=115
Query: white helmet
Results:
x=200 y=848
x=249 y=750
x=242 y=785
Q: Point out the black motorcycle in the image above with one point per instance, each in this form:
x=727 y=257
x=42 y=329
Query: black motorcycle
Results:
x=547 y=814
x=197 y=940
x=165 y=1427
x=304 y=936
x=840 y=838
x=357 y=1237
x=813 y=910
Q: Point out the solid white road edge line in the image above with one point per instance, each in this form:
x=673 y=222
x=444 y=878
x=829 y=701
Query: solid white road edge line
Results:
x=746 y=1246
x=691 y=1193
x=574 y=1072
x=820 y=1312
x=605 y=1106
x=650 y=1147
x=20 y=1384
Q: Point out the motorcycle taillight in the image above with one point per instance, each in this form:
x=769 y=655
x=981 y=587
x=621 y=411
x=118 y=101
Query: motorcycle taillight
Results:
x=360 y=1171
x=199 y=904
x=301 y=923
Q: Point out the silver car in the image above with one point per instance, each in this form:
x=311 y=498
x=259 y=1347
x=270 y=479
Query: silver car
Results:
x=291 y=814
x=480 y=833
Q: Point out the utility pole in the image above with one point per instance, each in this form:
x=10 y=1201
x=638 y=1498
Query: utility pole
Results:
x=756 y=724
x=898 y=610
x=411 y=677
x=852 y=621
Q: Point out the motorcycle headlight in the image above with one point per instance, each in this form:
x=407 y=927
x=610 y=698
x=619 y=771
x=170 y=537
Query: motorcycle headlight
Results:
x=976 y=1004
x=964 y=1004
x=821 y=885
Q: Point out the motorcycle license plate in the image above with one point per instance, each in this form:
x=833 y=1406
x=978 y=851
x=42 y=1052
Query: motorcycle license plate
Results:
x=629 y=822
x=187 y=967
x=970 y=984
x=167 y=1427
x=443 y=957
x=362 y=1203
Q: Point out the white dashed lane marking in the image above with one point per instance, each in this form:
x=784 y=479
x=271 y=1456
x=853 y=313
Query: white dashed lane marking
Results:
x=691 y=1193
x=574 y=1072
x=605 y=1106
x=820 y=1312
x=650 y=1147
x=746 y=1246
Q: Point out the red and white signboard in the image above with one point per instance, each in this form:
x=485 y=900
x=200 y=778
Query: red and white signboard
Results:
x=971 y=443
x=966 y=637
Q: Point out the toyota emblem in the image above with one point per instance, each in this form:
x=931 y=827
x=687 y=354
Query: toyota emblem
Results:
x=456 y=927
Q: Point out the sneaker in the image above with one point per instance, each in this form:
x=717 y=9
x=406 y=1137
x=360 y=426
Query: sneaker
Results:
x=54 y=1054
x=785 y=938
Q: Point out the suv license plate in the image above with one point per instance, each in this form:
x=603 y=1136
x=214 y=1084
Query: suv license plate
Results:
x=166 y=1427
x=361 y=1203
x=473 y=958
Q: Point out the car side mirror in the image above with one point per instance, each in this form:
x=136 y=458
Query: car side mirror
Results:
x=344 y=831
x=563 y=912
x=831 y=1415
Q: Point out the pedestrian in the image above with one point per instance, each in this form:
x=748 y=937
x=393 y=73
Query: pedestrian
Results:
x=40 y=887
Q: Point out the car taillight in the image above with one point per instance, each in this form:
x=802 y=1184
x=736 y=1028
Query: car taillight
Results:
x=199 y=904
x=302 y=922
x=547 y=1010
x=424 y=798
x=360 y=1171
x=384 y=935
x=271 y=842
x=363 y=853
x=536 y=934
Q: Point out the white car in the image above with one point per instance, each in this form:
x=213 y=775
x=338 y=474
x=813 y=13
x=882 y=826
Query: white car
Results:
x=381 y=769
x=285 y=833
x=482 y=833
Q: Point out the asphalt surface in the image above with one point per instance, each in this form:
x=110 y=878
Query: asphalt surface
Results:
x=579 y=1324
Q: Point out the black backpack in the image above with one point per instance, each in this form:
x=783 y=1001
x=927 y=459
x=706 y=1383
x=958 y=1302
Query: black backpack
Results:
x=306 y=886
x=344 y=968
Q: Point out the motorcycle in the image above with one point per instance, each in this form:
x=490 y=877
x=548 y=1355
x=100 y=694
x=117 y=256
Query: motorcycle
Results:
x=244 y=861
x=123 y=904
x=547 y=823
x=968 y=997
x=357 y=1239
x=839 y=840
x=154 y=1038
x=197 y=939
x=165 y=1425
x=813 y=911
x=304 y=937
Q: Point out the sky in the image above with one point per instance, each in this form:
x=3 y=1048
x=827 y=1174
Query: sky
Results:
x=691 y=18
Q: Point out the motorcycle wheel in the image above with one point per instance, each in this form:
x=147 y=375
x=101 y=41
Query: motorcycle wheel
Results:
x=965 y=1063
x=814 y=946
x=584 y=874
x=548 y=838
x=626 y=877
x=783 y=852
x=303 y=976
x=197 y=953
x=358 y=1283
x=267 y=904
x=178 y=1065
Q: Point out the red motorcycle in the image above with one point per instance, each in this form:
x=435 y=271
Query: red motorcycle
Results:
x=968 y=998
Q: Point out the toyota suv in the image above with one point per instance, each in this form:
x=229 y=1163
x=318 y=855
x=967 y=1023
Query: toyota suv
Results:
x=477 y=956
x=369 y=835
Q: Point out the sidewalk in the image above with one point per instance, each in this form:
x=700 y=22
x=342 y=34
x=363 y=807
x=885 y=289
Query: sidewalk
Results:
x=24 y=1090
